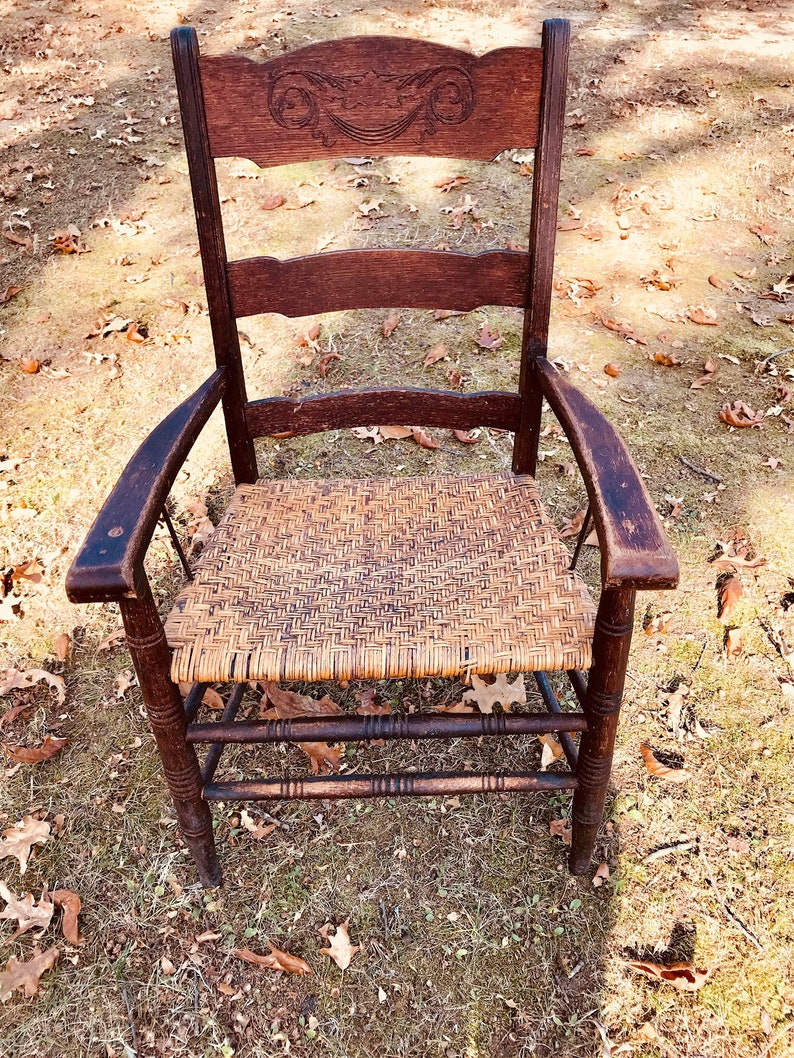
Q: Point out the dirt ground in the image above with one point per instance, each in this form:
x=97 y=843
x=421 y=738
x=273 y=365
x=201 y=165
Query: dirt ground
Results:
x=674 y=267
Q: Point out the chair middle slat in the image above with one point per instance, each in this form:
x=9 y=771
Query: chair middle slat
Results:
x=361 y=279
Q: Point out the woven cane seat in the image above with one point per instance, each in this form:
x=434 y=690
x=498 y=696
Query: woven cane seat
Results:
x=370 y=579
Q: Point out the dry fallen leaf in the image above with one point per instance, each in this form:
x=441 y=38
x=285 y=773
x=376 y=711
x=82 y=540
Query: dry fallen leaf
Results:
x=390 y=324
x=661 y=771
x=552 y=750
x=601 y=875
x=438 y=352
x=573 y=526
x=276 y=960
x=658 y=625
x=455 y=707
x=28 y=913
x=729 y=591
x=325 y=362
x=69 y=902
x=733 y=644
x=684 y=976
x=36 y=754
x=61 y=646
x=10 y=715
x=666 y=359
x=273 y=202
x=486 y=695
x=15 y=679
x=425 y=440
x=560 y=828
x=489 y=337
x=703 y=315
x=709 y=370
x=255 y=829
x=467 y=437
x=622 y=327
x=340 y=948
x=18 y=840
x=765 y=232
x=395 y=433
x=25 y=975
x=613 y=370
x=29 y=364
x=738 y=414
x=288 y=704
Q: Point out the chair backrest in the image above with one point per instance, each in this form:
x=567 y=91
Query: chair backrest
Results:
x=390 y=96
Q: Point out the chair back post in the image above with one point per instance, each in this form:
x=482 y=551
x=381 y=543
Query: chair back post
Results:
x=204 y=185
x=542 y=236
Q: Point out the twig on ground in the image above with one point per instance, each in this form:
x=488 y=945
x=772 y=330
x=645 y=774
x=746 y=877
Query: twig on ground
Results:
x=131 y=1021
x=728 y=913
x=773 y=356
x=700 y=470
x=679 y=846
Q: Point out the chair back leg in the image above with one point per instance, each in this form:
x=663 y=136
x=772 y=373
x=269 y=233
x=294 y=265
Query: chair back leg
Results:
x=152 y=660
x=611 y=642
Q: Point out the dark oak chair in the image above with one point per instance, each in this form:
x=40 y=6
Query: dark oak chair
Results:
x=376 y=579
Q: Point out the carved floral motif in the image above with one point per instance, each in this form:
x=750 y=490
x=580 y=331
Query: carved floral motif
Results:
x=371 y=108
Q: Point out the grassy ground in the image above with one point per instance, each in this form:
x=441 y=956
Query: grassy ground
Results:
x=475 y=939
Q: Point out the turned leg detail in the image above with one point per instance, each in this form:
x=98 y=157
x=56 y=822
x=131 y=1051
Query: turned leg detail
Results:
x=611 y=642
x=152 y=660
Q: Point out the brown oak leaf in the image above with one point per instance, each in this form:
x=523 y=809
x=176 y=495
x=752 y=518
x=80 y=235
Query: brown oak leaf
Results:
x=684 y=976
x=490 y=338
x=18 y=840
x=738 y=414
x=661 y=771
x=275 y=960
x=15 y=679
x=560 y=828
x=340 y=947
x=703 y=315
x=25 y=975
x=729 y=591
x=438 y=352
x=502 y=691
x=29 y=913
x=36 y=754
x=69 y=902
x=390 y=324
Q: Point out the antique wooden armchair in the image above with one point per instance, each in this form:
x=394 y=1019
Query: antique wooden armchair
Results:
x=324 y=579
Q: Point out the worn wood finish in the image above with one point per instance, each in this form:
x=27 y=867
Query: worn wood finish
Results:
x=151 y=658
x=542 y=235
x=110 y=562
x=364 y=728
x=611 y=643
x=418 y=784
x=364 y=279
x=209 y=222
x=382 y=407
x=380 y=95
x=635 y=551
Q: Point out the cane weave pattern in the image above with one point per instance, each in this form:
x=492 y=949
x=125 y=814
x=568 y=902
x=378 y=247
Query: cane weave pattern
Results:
x=375 y=579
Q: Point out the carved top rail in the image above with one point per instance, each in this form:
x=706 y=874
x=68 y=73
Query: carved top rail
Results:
x=385 y=95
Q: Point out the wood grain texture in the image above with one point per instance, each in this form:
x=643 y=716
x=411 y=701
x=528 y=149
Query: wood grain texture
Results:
x=379 y=95
x=542 y=235
x=151 y=658
x=345 y=279
x=382 y=407
x=108 y=565
x=635 y=551
x=389 y=726
x=611 y=643
x=209 y=223
x=416 y=784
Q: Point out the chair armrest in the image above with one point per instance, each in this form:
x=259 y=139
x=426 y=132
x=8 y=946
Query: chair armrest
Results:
x=635 y=551
x=110 y=561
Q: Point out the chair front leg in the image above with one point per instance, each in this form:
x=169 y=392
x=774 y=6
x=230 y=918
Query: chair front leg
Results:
x=152 y=660
x=611 y=642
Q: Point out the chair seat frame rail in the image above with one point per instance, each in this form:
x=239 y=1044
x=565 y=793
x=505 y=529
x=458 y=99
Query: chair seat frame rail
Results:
x=424 y=99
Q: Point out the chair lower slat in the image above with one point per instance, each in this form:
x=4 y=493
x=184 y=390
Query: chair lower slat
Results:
x=401 y=785
x=213 y=758
x=365 y=728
